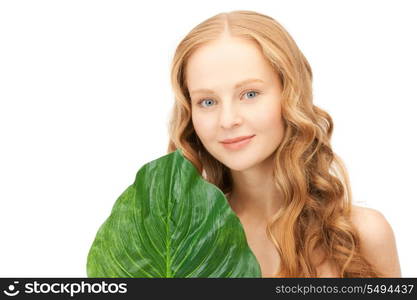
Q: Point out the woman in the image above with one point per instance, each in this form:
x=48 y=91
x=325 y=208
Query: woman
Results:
x=240 y=75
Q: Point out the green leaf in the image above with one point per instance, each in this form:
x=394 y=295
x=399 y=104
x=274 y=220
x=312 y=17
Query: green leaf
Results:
x=171 y=222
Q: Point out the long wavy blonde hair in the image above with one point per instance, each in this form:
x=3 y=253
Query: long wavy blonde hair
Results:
x=314 y=182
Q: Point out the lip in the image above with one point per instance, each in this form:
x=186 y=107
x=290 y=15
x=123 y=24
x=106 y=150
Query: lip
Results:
x=240 y=143
x=238 y=139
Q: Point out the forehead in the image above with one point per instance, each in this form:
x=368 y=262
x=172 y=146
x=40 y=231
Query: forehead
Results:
x=225 y=62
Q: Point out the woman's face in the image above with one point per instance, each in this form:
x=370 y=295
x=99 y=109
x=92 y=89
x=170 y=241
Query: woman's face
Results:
x=223 y=108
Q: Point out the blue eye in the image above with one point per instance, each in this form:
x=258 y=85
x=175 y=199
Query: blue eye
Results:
x=205 y=100
x=252 y=92
x=211 y=100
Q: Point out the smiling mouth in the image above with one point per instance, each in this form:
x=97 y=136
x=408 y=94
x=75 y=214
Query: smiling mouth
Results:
x=238 y=139
x=238 y=144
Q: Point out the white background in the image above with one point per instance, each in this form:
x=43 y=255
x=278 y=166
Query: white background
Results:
x=85 y=97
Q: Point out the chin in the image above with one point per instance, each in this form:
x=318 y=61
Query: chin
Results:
x=237 y=164
x=238 y=168
x=234 y=161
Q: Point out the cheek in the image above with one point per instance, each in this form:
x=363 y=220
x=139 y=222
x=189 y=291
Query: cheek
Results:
x=204 y=126
x=267 y=117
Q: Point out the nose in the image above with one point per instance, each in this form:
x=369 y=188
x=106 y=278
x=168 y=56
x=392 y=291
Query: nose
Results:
x=229 y=116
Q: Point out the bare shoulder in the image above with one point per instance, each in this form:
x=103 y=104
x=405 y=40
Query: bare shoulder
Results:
x=364 y=217
x=377 y=240
x=371 y=223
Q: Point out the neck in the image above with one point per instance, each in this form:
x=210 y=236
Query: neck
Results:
x=254 y=195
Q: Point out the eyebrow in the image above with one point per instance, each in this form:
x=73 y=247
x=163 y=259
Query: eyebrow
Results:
x=238 y=85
